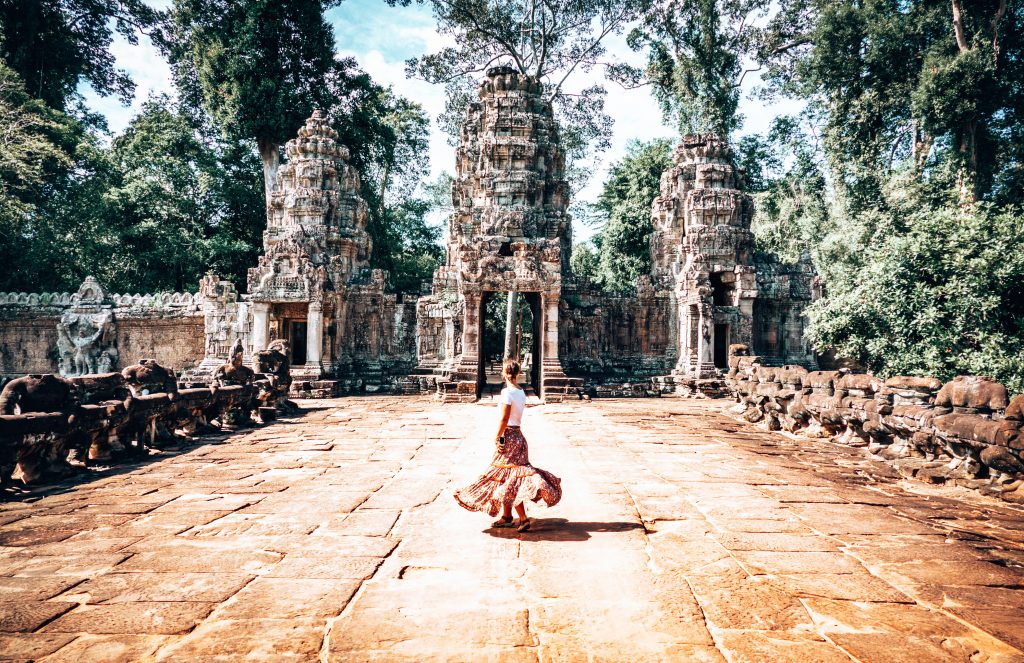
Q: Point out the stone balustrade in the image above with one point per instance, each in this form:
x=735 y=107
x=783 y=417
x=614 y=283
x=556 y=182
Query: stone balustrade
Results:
x=965 y=432
x=53 y=426
x=170 y=300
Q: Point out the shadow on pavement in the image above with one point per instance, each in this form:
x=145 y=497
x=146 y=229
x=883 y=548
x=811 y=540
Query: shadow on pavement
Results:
x=560 y=529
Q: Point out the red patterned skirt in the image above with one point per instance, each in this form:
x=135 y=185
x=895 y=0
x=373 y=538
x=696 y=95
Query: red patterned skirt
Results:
x=510 y=480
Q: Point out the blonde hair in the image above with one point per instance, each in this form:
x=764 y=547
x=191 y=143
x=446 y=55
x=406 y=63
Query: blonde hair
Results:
x=510 y=368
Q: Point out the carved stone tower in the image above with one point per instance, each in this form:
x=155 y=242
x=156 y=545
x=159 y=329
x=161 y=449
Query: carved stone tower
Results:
x=315 y=242
x=510 y=231
x=702 y=249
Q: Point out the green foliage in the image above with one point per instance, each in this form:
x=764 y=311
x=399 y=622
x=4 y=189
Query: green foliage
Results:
x=30 y=152
x=625 y=208
x=695 y=49
x=894 y=86
x=791 y=195
x=153 y=212
x=413 y=250
x=943 y=296
x=258 y=68
x=585 y=263
x=55 y=45
x=546 y=40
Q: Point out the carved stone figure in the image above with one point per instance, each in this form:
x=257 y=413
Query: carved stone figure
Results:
x=86 y=333
x=235 y=372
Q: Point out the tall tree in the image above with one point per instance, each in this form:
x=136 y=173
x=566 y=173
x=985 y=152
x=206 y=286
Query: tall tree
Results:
x=54 y=45
x=549 y=41
x=931 y=84
x=624 y=207
x=258 y=68
x=696 y=51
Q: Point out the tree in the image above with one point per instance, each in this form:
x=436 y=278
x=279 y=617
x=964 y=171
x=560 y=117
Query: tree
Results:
x=258 y=68
x=584 y=261
x=928 y=83
x=625 y=207
x=695 y=53
x=56 y=44
x=548 y=41
x=786 y=177
x=943 y=297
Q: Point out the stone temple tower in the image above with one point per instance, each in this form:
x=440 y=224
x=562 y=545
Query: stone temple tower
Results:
x=510 y=231
x=702 y=249
x=315 y=242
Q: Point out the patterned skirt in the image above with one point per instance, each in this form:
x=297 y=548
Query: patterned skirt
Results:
x=510 y=480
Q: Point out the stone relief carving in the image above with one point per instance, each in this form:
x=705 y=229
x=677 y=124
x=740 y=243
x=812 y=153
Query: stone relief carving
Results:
x=86 y=341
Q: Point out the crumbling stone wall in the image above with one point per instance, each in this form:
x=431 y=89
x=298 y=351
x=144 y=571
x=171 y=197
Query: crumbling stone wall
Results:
x=606 y=337
x=167 y=326
x=966 y=431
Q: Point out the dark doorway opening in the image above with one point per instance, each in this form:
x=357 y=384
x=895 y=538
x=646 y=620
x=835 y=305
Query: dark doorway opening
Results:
x=526 y=341
x=721 y=346
x=721 y=290
x=297 y=341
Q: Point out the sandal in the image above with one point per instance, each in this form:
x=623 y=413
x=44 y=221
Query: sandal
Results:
x=524 y=526
x=503 y=522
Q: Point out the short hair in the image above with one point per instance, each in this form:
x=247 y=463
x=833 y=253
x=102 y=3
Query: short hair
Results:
x=511 y=367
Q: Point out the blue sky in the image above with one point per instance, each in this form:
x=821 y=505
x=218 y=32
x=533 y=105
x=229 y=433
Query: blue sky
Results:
x=381 y=38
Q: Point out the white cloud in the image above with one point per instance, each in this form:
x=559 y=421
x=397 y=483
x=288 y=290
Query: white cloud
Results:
x=149 y=70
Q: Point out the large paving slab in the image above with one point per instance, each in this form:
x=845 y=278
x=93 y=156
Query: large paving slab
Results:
x=683 y=535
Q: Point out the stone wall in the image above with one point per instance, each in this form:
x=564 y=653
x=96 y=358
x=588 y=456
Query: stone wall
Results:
x=966 y=431
x=605 y=337
x=167 y=327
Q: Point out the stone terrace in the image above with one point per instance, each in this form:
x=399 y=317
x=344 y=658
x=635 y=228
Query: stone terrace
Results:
x=683 y=535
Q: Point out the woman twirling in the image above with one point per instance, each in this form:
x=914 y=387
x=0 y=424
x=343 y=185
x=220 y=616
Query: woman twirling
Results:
x=510 y=481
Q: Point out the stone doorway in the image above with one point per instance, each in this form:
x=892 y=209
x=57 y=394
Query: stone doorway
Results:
x=527 y=341
x=721 y=356
x=297 y=341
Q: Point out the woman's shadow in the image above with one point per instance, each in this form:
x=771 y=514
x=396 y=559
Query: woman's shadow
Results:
x=560 y=529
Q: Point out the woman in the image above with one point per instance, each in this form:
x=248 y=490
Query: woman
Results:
x=511 y=480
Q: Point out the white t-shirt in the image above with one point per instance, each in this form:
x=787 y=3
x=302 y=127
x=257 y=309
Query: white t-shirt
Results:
x=517 y=399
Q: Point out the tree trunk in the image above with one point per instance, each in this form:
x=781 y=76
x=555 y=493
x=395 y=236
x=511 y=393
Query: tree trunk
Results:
x=270 y=155
x=511 y=324
x=967 y=177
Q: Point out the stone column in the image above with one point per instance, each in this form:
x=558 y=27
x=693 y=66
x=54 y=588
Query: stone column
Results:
x=314 y=335
x=706 y=340
x=550 y=305
x=260 y=326
x=685 y=327
x=467 y=365
x=511 y=326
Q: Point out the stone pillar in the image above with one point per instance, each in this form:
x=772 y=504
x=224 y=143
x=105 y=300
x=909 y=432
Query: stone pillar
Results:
x=550 y=305
x=685 y=336
x=260 y=326
x=555 y=384
x=468 y=362
x=706 y=341
x=511 y=325
x=314 y=335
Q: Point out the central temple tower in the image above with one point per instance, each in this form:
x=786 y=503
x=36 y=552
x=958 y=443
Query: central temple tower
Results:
x=509 y=232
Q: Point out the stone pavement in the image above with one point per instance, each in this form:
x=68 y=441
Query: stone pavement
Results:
x=684 y=535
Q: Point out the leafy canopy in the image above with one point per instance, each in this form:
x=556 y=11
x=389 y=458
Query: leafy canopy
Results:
x=549 y=41
x=55 y=45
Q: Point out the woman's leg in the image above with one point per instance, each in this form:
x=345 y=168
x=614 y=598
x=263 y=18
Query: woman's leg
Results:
x=520 y=511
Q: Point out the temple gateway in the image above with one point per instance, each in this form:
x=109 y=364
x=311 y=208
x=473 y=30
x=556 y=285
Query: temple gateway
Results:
x=510 y=232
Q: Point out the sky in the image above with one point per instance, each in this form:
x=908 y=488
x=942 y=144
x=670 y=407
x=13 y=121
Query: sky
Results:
x=381 y=38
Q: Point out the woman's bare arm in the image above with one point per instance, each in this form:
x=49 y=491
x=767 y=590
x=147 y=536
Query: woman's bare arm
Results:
x=506 y=412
